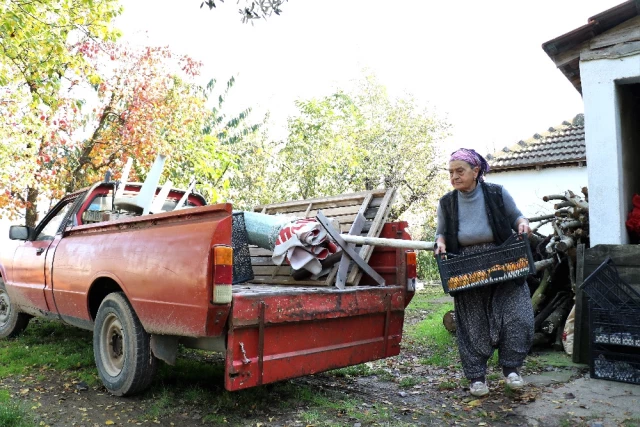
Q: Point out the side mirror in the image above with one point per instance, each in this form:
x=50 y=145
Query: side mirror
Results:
x=19 y=232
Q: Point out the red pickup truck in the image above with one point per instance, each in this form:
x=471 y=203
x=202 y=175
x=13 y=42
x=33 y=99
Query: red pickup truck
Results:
x=146 y=283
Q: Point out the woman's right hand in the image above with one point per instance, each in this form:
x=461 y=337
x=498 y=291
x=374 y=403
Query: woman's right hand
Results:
x=440 y=248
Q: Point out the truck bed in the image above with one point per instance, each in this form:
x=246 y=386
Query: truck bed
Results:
x=247 y=289
x=281 y=331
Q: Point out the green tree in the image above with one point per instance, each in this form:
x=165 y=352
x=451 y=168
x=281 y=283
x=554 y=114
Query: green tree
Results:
x=364 y=140
x=40 y=52
x=214 y=156
x=147 y=102
x=40 y=43
x=257 y=179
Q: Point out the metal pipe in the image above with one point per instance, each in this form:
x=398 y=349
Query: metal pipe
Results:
x=392 y=243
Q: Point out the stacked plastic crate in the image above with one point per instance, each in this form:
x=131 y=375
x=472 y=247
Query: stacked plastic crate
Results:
x=614 y=325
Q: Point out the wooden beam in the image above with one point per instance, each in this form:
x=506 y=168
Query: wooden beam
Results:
x=345 y=247
x=376 y=229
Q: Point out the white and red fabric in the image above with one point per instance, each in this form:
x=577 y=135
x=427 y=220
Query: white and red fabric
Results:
x=304 y=243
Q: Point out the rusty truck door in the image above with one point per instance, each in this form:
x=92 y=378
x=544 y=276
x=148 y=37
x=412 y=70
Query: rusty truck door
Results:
x=29 y=271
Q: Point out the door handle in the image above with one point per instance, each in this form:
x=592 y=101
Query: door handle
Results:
x=39 y=251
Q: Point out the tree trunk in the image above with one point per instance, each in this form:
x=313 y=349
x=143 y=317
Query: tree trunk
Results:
x=31 y=214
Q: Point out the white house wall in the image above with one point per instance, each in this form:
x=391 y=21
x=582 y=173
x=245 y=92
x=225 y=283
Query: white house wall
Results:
x=609 y=191
x=528 y=187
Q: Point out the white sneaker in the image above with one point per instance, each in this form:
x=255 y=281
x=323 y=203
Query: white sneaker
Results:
x=515 y=381
x=479 y=389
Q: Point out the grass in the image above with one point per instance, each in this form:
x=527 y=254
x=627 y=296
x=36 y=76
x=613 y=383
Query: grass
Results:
x=558 y=359
x=408 y=382
x=430 y=333
x=49 y=345
x=13 y=414
x=361 y=370
x=447 y=385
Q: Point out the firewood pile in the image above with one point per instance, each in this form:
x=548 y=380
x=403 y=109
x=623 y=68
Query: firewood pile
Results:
x=554 y=284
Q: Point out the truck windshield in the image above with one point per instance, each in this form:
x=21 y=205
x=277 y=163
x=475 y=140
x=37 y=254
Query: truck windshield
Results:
x=50 y=229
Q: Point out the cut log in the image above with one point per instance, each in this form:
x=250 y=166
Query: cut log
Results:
x=541 y=218
x=557 y=345
x=557 y=300
x=538 y=295
x=570 y=224
x=556 y=318
x=541 y=265
x=564 y=244
x=554 y=197
x=449 y=321
x=565 y=204
x=540 y=340
x=576 y=200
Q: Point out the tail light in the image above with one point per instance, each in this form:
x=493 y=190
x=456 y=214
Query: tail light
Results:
x=222 y=274
x=411 y=271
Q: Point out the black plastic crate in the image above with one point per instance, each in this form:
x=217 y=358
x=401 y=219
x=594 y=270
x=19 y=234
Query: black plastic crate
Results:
x=619 y=367
x=242 y=271
x=508 y=261
x=614 y=327
x=607 y=290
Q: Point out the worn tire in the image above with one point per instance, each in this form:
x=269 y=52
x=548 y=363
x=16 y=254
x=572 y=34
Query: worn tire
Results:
x=122 y=348
x=12 y=322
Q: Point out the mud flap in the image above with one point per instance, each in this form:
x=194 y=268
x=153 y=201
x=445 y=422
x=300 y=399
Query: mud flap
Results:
x=277 y=337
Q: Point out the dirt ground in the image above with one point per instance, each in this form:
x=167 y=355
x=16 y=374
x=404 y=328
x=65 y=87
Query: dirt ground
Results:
x=393 y=392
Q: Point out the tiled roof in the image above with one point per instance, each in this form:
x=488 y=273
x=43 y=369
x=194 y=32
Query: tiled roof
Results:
x=560 y=145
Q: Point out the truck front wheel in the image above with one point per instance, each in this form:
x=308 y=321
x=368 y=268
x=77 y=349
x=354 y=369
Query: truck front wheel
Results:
x=122 y=347
x=12 y=322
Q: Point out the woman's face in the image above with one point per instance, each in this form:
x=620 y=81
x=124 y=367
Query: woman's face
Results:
x=462 y=175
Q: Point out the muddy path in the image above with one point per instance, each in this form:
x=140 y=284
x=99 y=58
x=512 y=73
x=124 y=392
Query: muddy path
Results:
x=399 y=391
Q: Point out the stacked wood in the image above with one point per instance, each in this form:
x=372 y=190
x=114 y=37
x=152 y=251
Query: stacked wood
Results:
x=553 y=288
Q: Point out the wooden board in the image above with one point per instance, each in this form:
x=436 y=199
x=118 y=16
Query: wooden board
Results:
x=374 y=205
x=581 y=306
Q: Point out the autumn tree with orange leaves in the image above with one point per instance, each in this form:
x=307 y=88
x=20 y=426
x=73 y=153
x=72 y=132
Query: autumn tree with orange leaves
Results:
x=141 y=102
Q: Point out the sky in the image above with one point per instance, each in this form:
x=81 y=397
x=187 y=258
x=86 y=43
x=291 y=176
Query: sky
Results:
x=478 y=65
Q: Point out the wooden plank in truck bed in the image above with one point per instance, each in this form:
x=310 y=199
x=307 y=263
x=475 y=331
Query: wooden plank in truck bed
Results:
x=374 y=205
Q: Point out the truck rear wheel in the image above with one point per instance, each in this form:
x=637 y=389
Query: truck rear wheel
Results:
x=122 y=348
x=12 y=322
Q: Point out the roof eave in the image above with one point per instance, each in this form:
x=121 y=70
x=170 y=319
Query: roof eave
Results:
x=538 y=165
x=596 y=24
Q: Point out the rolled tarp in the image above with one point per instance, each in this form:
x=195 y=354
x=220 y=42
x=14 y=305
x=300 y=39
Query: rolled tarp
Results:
x=303 y=242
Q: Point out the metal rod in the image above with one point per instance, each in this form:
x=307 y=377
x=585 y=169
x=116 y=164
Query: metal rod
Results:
x=392 y=243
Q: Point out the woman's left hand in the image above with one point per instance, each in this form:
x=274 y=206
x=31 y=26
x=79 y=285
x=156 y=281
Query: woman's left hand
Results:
x=523 y=227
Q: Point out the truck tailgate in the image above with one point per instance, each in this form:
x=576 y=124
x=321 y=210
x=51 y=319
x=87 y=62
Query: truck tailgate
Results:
x=276 y=333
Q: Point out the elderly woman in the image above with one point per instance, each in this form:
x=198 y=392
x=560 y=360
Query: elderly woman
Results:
x=477 y=216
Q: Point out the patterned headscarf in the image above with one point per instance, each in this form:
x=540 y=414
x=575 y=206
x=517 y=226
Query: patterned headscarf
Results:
x=474 y=159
